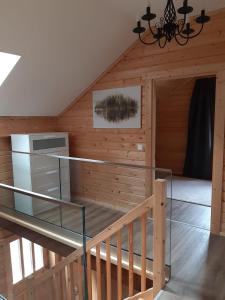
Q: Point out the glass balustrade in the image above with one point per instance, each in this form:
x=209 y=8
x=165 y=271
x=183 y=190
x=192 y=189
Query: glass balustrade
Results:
x=93 y=194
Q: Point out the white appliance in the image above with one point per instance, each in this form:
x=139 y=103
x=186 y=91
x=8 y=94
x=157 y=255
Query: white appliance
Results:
x=41 y=174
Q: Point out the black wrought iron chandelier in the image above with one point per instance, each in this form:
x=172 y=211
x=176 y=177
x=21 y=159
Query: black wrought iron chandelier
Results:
x=170 y=26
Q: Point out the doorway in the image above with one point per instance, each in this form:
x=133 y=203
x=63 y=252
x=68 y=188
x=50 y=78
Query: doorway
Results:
x=175 y=149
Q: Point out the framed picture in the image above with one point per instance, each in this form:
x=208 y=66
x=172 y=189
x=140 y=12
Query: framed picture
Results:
x=117 y=108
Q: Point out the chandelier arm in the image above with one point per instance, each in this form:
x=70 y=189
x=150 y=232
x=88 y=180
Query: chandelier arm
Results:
x=179 y=43
x=147 y=43
x=183 y=25
x=150 y=28
x=196 y=34
x=192 y=36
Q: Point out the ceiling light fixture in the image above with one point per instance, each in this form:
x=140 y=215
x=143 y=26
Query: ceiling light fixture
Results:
x=170 y=26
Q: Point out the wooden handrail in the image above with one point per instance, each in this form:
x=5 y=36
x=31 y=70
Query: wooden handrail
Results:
x=146 y=295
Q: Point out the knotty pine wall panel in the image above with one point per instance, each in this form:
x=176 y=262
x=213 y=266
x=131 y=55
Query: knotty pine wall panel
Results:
x=223 y=202
x=203 y=55
x=172 y=109
x=119 y=187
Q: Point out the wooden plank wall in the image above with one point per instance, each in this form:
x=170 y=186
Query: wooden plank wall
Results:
x=223 y=201
x=117 y=186
x=202 y=56
x=172 y=110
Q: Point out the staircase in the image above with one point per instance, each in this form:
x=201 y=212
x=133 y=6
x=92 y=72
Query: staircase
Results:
x=88 y=272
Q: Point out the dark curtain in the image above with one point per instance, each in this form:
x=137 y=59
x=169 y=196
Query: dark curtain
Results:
x=198 y=162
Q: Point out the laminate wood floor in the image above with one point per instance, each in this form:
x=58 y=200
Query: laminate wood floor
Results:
x=191 y=190
x=198 y=258
x=198 y=265
x=192 y=214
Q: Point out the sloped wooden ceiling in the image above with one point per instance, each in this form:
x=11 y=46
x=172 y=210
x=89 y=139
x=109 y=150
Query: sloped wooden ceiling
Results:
x=64 y=46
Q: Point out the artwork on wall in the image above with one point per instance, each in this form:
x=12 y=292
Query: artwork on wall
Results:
x=117 y=108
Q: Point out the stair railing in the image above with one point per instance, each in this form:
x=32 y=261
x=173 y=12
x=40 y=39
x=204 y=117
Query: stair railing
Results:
x=65 y=280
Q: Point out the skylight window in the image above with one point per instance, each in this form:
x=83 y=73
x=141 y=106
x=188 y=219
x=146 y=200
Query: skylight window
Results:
x=7 y=63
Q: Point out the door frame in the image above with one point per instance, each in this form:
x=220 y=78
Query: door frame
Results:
x=219 y=131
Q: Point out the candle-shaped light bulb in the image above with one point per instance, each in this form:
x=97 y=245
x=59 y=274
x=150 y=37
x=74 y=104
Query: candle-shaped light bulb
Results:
x=203 y=13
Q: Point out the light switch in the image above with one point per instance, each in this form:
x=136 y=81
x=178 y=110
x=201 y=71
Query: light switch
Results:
x=140 y=147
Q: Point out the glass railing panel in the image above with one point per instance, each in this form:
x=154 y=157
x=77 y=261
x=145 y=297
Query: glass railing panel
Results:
x=45 y=211
x=107 y=190
x=116 y=186
x=73 y=219
x=7 y=199
x=19 y=202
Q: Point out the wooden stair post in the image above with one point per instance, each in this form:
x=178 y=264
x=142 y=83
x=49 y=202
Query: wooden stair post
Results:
x=159 y=235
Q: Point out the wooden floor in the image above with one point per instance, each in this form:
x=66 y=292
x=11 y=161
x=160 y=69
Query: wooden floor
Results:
x=192 y=190
x=198 y=265
x=192 y=214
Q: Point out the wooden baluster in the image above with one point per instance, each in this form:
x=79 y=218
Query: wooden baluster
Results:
x=46 y=258
x=98 y=268
x=108 y=271
x=75 y=280
x=56 y=284
x=63 y=283
x=70 y=281
x=131 y=258
x=89 y=275
x=59 y=282
x=51 y=259
x=80 y=275
x=143 y=251
x=119 y=266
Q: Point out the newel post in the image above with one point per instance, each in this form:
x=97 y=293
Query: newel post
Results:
x=159 y=235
